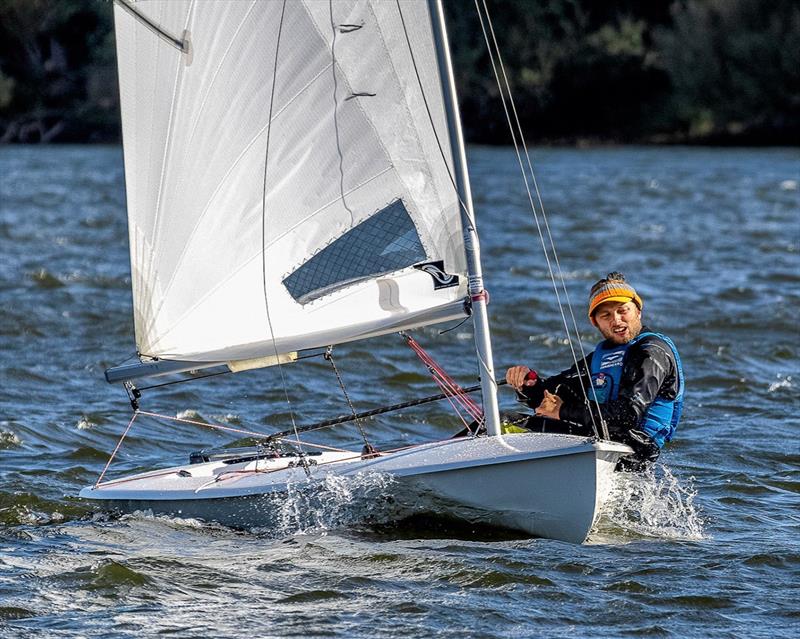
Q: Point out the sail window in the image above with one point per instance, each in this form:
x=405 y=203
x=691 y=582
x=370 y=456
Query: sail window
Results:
x=386 y=241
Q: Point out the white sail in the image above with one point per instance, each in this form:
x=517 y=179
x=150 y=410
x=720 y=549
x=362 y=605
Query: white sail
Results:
x=282 y=204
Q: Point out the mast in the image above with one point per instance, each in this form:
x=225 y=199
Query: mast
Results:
x=480 y=320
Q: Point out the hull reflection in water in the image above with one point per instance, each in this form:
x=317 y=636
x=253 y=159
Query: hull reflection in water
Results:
x=545 y=485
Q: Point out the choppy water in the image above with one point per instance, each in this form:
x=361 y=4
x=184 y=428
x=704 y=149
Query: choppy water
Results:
x=706 y=545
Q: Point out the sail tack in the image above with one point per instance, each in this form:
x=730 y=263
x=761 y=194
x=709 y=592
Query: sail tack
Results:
x=285 y=185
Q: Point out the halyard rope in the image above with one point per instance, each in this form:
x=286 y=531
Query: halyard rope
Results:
x=515 y=128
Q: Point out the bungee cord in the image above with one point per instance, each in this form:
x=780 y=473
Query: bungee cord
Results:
x=515 y=129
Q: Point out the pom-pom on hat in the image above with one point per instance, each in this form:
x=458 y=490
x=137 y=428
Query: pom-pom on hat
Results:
x=613 y=288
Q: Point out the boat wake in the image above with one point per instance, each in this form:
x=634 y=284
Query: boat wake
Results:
x=652 y=504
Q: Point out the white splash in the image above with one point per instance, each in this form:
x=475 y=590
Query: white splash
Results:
x=783 y=382
x=789 y=185
x=190 y=414
x=227 y=418
x=9 y=439
x=31 y=517
x=85 y=423
x=169 y=520
x=650 y=504
x=334 y=502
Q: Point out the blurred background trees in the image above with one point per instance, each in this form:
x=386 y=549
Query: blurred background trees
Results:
x=663 y=71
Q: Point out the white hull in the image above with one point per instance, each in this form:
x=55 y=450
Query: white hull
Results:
x=546 y=485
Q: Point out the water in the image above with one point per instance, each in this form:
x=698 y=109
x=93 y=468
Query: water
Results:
x=706 y=544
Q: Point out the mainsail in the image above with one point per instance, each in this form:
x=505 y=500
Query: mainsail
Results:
x=289 y=175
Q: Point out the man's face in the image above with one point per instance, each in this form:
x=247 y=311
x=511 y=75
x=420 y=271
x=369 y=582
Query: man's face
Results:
x=619 y=322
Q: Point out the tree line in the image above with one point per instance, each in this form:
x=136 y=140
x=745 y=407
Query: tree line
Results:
x=661 y=71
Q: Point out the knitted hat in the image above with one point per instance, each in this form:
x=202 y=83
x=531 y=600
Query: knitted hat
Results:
x=613 y=288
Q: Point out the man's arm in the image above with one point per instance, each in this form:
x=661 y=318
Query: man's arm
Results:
x=567 y=385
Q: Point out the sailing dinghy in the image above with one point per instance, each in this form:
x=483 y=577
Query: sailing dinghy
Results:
x=296 y=179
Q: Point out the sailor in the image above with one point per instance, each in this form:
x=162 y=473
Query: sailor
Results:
x=636 y=381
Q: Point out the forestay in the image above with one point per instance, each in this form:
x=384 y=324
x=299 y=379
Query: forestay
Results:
x=250 y=234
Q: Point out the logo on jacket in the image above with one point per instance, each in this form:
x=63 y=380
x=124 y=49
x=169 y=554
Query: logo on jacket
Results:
x=612 y=359
x=600 y=380
x=436 y=271
x=602 y=384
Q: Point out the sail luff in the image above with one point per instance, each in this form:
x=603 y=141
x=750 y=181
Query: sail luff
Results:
x=477 y=293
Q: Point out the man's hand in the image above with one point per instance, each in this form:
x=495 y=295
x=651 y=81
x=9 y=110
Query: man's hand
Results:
x=550 y=406
x=517 y=376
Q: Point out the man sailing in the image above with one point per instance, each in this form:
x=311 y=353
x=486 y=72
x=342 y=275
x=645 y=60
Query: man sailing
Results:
x=636 y=381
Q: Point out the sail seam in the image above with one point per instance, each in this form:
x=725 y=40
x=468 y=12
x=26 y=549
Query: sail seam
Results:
x=418 y=137
x=213 y=79
x=233 y=166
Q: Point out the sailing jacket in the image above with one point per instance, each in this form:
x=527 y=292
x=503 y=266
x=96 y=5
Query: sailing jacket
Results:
x=644 y=394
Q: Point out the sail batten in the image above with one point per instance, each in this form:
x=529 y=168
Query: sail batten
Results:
x=349 y=138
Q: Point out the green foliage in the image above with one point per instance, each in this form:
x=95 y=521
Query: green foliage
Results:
x=616 y=70
x=735 y=66
x=578 y=68
x=6 y=90
x=54 y=59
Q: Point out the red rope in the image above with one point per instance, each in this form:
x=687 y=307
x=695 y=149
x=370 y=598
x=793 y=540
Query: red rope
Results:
x=446 y=383
x=469 y=404
x=450 y=381
x=449 y=397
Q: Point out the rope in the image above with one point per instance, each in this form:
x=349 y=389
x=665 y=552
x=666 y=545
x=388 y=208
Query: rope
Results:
x=456 y=395
x=450 y=398
x=116 y=448
x=516 y=128
x=239 y=431
x=183 y=420
x=329 y=357
x=264 y=225
x=448 y=385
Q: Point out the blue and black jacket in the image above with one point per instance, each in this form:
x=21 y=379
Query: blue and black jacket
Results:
x=645 y=394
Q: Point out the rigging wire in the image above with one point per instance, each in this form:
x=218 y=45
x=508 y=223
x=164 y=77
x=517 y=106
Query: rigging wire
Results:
x=116 y=448
x=367 y=446
x=264 y=230
x=504 y=87
x=546 y=223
